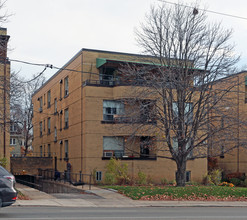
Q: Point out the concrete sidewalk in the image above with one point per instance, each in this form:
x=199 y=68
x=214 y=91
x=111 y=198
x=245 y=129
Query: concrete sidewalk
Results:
x=97 y=197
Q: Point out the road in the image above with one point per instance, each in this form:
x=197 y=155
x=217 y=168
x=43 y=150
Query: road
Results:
x=146 y=213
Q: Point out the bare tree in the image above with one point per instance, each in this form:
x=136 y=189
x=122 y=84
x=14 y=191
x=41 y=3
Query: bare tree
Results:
x=21 y=108
x=175 y=89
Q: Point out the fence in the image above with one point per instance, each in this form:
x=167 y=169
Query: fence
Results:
x=53 y=180
x=75 y=179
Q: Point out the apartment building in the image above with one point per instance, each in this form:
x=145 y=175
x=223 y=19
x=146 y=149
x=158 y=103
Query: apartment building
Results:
x=78 y=116
x=4 y=94
x=233 y=155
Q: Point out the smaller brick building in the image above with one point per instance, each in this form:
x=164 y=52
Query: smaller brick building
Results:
x=235 y=160
x=4 y=95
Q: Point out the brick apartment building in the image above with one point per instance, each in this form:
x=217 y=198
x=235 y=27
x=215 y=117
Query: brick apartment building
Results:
x=4 y=95
x=76 y=117
x=234 y=161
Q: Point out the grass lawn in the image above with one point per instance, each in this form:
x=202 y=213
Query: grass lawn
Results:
x=183 y=193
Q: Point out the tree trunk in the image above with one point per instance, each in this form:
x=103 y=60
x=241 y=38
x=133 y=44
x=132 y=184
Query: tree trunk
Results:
x=181 y=172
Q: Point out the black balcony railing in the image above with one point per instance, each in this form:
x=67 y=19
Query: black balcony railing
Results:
x=129 y=156
x=116 y=82
x=119 y=119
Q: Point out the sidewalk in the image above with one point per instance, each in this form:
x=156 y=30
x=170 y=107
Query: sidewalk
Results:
x=98 y=197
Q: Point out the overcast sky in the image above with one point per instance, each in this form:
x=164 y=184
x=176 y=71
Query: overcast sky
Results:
x=53 y=31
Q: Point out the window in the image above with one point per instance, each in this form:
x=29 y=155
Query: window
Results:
x=49 y=150
x=222 y=122
x=12 y=141
x=49 y=125
x=222 y=153
x=66 y=86
x=66 y=118
x=109 y=76
x=49 y=99
x=55 y=105
x=40 y=128
x=61 y=88
x=111 y=108
x=61 y=150
x=44 y=125
x=41 y=151
x=61 y=120
x=113 y=146
x=145 y=145
x=13 y=127
x=66 y=149
x=188 y=112
x=55 y=134
x=175 y=146
x=41 y=104
x=146 y=111
x=98 y=175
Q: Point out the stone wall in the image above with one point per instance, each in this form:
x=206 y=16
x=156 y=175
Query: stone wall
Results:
x=29 y=165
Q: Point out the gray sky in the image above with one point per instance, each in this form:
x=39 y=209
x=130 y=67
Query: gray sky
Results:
x=53 y=31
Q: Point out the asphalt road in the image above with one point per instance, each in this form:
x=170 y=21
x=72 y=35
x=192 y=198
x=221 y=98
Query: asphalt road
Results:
x=146 y=213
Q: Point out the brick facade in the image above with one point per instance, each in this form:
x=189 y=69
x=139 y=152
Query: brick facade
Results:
x=72 y=125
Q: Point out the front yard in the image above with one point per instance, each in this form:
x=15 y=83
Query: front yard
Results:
x=203 y=193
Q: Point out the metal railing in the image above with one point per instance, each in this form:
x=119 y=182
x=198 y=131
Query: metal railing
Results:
x=75 y=179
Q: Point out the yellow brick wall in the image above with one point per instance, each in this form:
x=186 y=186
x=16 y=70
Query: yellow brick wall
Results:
x=236 y=159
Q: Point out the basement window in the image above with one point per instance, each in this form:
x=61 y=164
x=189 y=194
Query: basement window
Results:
x=98 y=176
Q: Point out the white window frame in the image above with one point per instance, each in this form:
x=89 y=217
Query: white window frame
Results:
x=66 y=118
x=66 y=86
x=188 y=111
x=66 y=149
x=49 y=99
x=55 y=105
x=55 y=134
x=113 y=144
x=40 y=128
x=49 y=125
x=112 y=108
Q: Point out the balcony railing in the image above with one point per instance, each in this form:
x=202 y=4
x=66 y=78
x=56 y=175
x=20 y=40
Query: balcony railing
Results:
x=112 y=83
x=119 y=119
x=128 y=156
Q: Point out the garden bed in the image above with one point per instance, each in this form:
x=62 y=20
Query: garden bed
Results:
x=202 y=193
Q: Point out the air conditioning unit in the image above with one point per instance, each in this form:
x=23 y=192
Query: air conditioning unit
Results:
x=108 y=154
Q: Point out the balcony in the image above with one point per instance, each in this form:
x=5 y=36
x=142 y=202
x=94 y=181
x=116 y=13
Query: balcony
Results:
x=127 y=156
x=120 y=119
x=112 y=83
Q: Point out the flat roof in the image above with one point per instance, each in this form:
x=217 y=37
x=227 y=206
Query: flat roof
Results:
x=89 y=50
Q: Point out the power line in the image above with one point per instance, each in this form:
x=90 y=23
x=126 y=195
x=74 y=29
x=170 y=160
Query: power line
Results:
x=215 y=12
x=50 y=66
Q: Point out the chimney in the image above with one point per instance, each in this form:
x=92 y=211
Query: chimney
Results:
x=4 y=38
